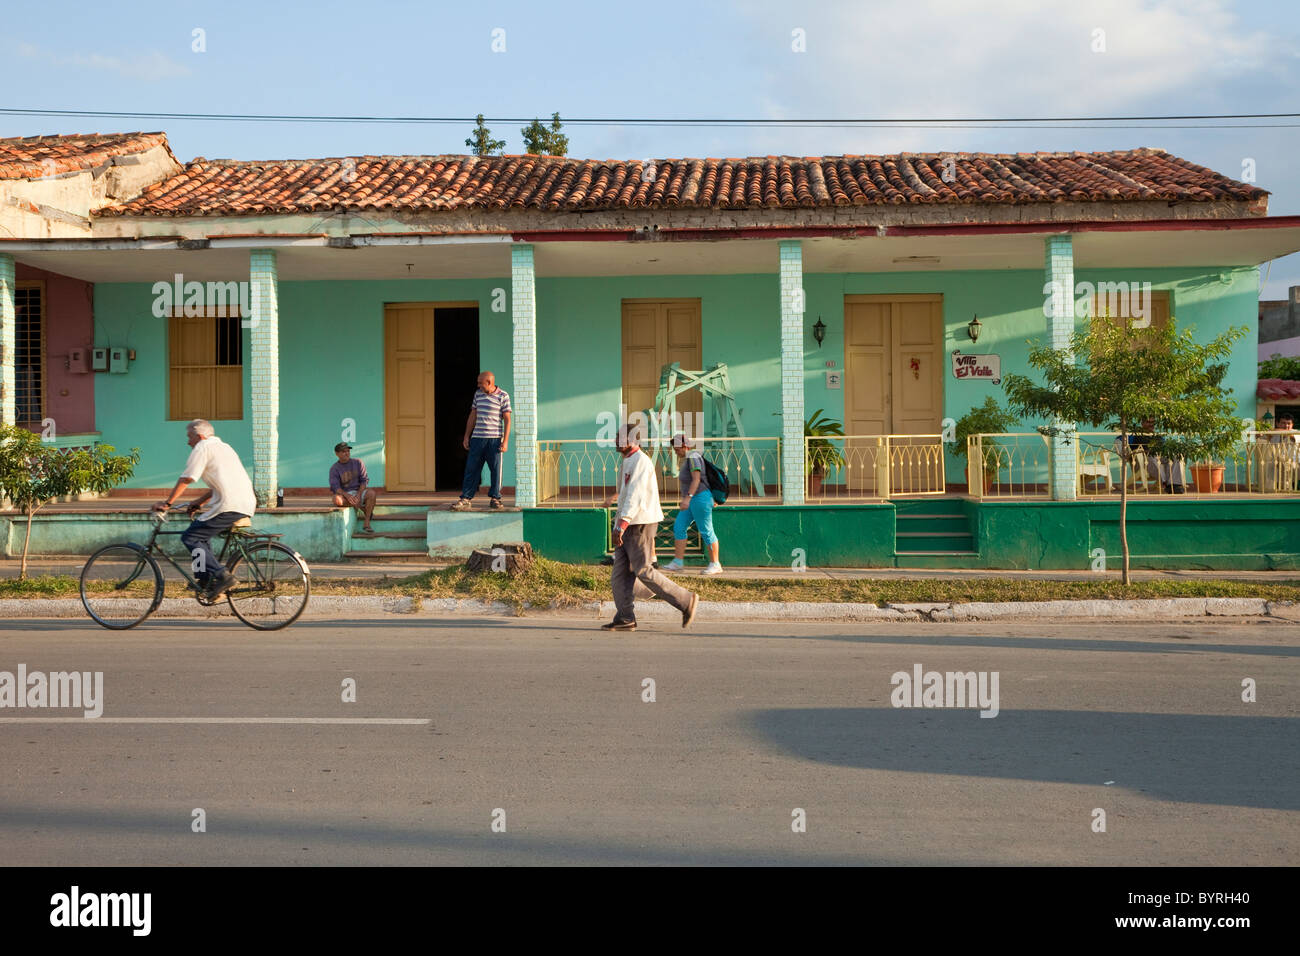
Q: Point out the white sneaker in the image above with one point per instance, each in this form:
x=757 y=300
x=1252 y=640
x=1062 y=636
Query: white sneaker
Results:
x=674 y=565
x=713 y=568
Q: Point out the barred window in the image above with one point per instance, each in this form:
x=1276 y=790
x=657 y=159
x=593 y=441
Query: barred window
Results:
x=206 y=364
x=29 y=357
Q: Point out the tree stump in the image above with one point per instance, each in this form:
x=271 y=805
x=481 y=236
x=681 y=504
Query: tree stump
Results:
x=510 y=558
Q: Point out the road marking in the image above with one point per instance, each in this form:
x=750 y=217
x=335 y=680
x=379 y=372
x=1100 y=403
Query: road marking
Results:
x=216 y=720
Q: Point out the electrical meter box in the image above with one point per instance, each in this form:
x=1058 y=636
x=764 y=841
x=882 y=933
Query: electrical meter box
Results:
x=99 y=360
x=78 y=361
x=117 y=360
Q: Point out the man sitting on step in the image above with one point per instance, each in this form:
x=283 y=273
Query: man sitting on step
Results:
x=351 y=485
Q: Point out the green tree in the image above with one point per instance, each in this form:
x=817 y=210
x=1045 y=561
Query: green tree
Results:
x=1119 y=377
x=1278 y=366
x=33 y=473
x=541 y=141
x=481 y=141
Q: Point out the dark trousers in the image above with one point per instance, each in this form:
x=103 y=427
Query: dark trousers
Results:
x=482 y=451
x=634 y=571
x=199 y=533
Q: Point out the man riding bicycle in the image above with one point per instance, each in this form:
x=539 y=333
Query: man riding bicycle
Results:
x=217 y=465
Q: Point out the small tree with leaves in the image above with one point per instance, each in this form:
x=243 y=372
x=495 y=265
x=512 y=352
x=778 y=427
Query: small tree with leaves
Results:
x=541 y=141
x=1119 y=377
x=481 y=141
x=33 y=473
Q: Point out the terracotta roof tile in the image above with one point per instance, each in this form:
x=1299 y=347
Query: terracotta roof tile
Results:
x=431 y=183
x=1277 y=389
x=36 y=157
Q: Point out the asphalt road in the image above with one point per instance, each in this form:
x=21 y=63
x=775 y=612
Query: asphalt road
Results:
x=545 y=720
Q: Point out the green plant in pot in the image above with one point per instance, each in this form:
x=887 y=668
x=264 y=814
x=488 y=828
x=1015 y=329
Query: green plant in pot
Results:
x=822 y=453
x=987 y=419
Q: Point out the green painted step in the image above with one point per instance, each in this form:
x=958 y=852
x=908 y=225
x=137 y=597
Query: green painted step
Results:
x=950 y=524
x=929 y=506
x=933 y=541
x=927 y=561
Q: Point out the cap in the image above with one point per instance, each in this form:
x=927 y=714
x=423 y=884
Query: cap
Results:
x=341 y=445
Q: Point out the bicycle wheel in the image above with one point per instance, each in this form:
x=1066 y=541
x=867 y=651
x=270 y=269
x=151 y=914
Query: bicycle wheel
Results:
x=121 y=586
x=272 y=585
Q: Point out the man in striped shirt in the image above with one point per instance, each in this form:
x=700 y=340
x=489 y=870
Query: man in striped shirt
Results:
x=487 y=435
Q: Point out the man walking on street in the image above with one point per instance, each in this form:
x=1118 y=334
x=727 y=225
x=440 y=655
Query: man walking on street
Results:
x=487 y=435
x=636 y=520
x=217 y=465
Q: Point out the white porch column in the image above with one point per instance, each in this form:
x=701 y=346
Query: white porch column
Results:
x=1060 y=276
x=264 y=324
x=523 y=399
x=8 y=342
x=792 y=377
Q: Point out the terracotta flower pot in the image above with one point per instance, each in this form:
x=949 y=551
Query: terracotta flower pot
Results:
x=1207 y=478
x=815 y=485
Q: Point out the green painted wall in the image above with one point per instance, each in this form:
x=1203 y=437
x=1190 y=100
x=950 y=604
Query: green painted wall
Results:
x=331 y=343
x=1192 y=533
x=1010 y=308
x=575 y=535
x=850 y=536
x=316 y=535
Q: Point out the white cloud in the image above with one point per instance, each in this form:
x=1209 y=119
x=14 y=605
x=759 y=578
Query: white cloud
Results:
x=955 y=58
x=151 y=66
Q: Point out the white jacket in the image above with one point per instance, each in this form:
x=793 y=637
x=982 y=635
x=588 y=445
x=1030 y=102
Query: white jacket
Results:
x=638 y=499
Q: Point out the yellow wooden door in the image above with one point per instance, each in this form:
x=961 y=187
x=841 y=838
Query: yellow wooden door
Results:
x=893 y=385
x=408 y=397
x=658 y=332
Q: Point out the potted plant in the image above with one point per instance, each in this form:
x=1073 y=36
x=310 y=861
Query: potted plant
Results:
x=1207 y=476
x=987 y=419
x=822 y=454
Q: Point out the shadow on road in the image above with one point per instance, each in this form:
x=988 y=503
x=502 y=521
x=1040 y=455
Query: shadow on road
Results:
x=1234 y=761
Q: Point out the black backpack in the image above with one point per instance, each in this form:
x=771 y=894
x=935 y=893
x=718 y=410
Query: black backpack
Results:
x=718 y=485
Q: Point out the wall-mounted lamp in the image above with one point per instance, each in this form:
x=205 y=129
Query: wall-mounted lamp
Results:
x=1267 y=419
x=819 y=331
x=973 y=329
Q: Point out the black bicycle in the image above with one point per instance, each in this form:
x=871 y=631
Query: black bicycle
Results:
x=122 y=584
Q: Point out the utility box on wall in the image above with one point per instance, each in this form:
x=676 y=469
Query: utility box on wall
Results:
x=117 y=360
x=78 y=361
x=99 y=360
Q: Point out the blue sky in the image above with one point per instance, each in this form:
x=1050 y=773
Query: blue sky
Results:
x=862 y=58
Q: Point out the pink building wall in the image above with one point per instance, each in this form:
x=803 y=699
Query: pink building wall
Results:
x=69 y=323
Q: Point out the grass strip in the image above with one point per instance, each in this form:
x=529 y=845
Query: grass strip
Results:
x=553 y=584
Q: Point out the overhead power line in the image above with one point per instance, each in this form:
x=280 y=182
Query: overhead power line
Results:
x=1172 y=121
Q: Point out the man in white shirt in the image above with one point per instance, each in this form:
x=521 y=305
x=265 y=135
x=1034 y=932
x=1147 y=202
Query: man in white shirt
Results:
x=636 y=520
x=229 y=497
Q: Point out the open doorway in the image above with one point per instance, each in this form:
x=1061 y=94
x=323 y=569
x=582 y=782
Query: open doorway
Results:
x=455 y=375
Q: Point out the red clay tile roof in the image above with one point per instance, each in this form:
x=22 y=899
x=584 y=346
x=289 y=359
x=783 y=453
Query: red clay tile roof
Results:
x=1277 y=389
x=35 y=157
x=559 y=184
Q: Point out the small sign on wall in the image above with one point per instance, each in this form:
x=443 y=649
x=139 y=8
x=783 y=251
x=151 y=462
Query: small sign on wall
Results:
x=832 y=379
x=983 y=367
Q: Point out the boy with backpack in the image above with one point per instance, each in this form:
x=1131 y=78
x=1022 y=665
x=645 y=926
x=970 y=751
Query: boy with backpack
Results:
x=696 y=505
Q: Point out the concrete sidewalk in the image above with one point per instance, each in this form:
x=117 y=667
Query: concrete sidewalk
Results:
x=72 y=565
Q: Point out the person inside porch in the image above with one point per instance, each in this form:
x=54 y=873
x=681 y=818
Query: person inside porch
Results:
x=1168 y=473
x=350 y=485
x=487 y=436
